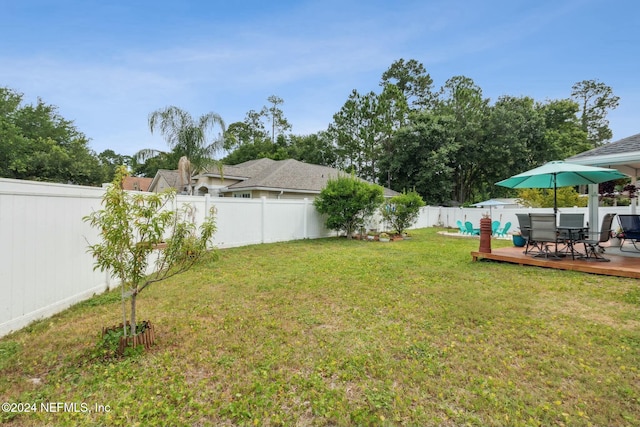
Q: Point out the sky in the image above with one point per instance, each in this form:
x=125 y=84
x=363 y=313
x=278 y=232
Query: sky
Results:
x=107 y=65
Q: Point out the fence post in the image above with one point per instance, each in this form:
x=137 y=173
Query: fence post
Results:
x=305 y=213
x=207 y=205
x=263 y=221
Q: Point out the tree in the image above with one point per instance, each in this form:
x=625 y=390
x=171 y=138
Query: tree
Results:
x=132 y=225
x=513 y=141
x=392 y=114
x=38 y=144
x=595 y=99
x=149 y=166
x=402 y=211
x=315 y=148
x=462 y=101
x=279 y=123
x=564 y=136
x=424 y=154
x=187 y=136
x=544 y=198
x=249 y=131
x=348 y=202
x=413 y=81
x=255 y=150
x=359 y=129
x=109 y=161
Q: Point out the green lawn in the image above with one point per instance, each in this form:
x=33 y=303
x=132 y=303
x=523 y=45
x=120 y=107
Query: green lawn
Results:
x=337 y=332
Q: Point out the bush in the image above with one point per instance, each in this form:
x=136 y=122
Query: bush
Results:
x=401 y=212
x=348 y=202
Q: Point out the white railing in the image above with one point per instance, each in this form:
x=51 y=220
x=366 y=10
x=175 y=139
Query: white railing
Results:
x=45 y=266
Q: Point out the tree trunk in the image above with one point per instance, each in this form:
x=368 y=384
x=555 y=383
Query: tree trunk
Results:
x=133 y=313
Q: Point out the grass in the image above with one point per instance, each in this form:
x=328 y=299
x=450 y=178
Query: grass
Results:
x=336 y=332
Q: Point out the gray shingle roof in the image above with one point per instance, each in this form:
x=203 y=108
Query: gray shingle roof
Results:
x=287 y=174
x=171 y=177
x=625 y=145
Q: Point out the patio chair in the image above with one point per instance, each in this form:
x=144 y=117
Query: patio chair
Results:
x=592 y=246
x=495 y=225
x=630 y=225
x=544 y=232
x=502 y=232
x=461 y=227
x=470 y=230
x=525 y=228
x=570 y=220
x=571 y=229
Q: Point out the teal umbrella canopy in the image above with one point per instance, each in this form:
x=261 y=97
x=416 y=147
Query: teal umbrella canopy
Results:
x=560 y=174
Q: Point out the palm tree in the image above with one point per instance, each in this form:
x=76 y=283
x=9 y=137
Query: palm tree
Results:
x=186 y=136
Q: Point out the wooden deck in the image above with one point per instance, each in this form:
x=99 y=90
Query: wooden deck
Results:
x=621 y=266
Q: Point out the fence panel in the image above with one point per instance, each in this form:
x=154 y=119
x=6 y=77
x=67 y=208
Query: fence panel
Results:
x=43 y=257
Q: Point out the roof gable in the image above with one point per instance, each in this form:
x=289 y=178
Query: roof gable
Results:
x=136 y=183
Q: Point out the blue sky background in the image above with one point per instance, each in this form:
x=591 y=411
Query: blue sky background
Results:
x=107 y=65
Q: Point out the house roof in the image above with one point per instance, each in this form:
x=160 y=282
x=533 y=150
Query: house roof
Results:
x=171 y=177
x=136 y=183
x=623 y=155
x=289 y=175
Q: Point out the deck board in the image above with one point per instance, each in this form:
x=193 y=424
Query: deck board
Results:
x=620 y=266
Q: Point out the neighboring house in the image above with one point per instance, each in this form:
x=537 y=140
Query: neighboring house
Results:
x=167 y=179
x=136 y=183
x=273 y=179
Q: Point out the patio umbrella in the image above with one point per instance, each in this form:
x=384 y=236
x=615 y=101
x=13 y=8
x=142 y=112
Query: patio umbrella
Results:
x=491 y=203
x=560 y=174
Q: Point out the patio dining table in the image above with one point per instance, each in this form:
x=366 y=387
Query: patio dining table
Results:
x=551 y=233
x=571 y=234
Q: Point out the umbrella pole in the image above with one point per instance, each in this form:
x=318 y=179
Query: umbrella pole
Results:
x=555 y=194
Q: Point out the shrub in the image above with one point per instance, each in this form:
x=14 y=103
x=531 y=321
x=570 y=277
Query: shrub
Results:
x=348 y=202
x=401 y=212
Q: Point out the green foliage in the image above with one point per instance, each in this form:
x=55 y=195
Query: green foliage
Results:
x=595 y=99
x=402 y=211
x=186 y=136
x=8 y=352
x=349 y=334
x=134 y=226
x=38 y=144
x=423 y=155
x=147 y=162
x=543 y=197
x=107 y=346
x=109 y=161
x=412 y=80
x=348 y=202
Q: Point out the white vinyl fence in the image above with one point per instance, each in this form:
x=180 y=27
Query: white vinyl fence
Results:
x=44 y=263
x=45 y=266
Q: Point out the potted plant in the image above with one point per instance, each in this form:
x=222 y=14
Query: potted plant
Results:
x=383 y=237
x=518 y=240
